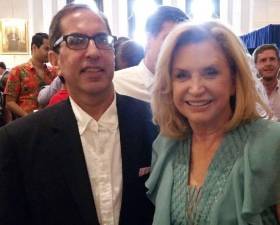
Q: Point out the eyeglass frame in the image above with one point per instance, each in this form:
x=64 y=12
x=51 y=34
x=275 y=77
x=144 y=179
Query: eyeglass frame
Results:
x=64 y=38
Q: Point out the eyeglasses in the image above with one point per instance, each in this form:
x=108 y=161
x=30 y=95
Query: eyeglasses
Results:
x=77 y=41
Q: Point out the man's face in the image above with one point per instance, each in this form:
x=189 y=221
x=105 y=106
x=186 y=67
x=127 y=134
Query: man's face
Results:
x=87 y=72
x=41 y=53
x=267 y=64
x=155 y=42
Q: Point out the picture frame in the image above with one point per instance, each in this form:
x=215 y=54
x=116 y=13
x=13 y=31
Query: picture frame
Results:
x=14 y=36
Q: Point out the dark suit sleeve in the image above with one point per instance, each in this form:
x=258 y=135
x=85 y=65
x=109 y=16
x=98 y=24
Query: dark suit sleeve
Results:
x=13 y=208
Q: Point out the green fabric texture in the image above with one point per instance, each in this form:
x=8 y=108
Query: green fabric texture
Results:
x=242 y=184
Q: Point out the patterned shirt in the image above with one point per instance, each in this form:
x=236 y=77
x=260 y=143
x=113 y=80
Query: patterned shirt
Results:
x=24 y=84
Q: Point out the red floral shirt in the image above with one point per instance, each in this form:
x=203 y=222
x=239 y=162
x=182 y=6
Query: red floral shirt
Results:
x=24 y=84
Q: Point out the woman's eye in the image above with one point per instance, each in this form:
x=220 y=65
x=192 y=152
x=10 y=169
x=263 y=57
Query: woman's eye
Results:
x=211 y=72
x=181 y=76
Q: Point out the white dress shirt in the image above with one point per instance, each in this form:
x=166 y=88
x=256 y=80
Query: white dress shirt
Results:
x=135 y=82
x=102 y=150
x=274 y=101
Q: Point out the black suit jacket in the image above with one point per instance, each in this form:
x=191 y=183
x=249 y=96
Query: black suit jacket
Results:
x=43 y=174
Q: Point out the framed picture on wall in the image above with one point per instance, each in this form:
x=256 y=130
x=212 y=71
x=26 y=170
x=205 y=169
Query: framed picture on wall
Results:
x=14 y=36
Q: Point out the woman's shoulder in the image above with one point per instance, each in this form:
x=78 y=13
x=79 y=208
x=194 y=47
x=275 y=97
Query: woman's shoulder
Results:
x=263 y=137
x=164 y=146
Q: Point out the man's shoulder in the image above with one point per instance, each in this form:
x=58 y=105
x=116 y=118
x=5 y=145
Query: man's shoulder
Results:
x=132 y=82
x=131 y=101
x=124 y=72
x=129 y=75
x=133 y=105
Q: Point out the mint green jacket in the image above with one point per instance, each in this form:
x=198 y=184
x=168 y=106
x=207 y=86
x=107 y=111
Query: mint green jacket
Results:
x=243 y=180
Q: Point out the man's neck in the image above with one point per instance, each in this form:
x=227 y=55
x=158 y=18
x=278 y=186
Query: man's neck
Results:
x=95 y=105
x=36 y=63
x=270 y=85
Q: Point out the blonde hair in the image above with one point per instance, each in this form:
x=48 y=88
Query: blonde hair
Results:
x=243 y=104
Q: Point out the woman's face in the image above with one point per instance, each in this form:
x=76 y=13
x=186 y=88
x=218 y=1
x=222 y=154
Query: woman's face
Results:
x=202 y=84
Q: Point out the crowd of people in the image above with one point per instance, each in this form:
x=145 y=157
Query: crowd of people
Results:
x=176 y=138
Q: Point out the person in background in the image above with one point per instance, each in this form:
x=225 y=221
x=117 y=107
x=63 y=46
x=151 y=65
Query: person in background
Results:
x=129 y=54
x=60 y=95
x=267 y=62
x=137 y=81
x=85 y=160
x=25 y=81
x=118 y=41
x=216 y=161
x=260 y=88
x=3 y=76
x=48 y=91
x=3 y=69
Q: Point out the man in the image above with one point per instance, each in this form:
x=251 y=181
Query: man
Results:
x=3 y=75
x=85 y=160
x=266 y=58
x=25 y=81
x=137 y=81
x=3 y=68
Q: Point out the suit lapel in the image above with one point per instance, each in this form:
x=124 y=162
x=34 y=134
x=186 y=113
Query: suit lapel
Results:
x=127 y=138
x=73 y=162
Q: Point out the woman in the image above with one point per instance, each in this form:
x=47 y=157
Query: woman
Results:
x=215 y=160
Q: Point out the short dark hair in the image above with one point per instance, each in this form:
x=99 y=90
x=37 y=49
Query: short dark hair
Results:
x=55 y=31
x=3 y=65
x=131 y=53
x=264 y=47
x=164 y=14
x=38 y=39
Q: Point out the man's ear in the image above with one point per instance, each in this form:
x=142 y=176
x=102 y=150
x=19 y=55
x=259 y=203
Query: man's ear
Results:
x=53 y=58
x=33 y=47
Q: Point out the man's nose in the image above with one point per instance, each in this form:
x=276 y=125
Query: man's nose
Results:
x=92 y=49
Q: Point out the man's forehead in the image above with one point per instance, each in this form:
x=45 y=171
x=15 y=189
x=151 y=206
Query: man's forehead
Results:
x=268 y=53
x=82 y=18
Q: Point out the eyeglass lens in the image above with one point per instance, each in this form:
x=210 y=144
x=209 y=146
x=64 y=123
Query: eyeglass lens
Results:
x=81 y=41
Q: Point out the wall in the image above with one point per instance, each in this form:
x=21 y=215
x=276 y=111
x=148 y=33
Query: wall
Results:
x=265 y=12
x=38 y=13
x=243 y=15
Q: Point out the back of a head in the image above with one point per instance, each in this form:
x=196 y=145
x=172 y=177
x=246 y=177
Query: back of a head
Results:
x=164 y=14
x=118 y=42
x=130 y=53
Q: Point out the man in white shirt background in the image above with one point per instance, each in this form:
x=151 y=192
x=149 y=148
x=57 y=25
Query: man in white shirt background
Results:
x=267 y=62
x=137 y=81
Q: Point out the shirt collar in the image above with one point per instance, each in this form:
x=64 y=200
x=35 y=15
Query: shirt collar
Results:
x=108 y=120
x=30 y=65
